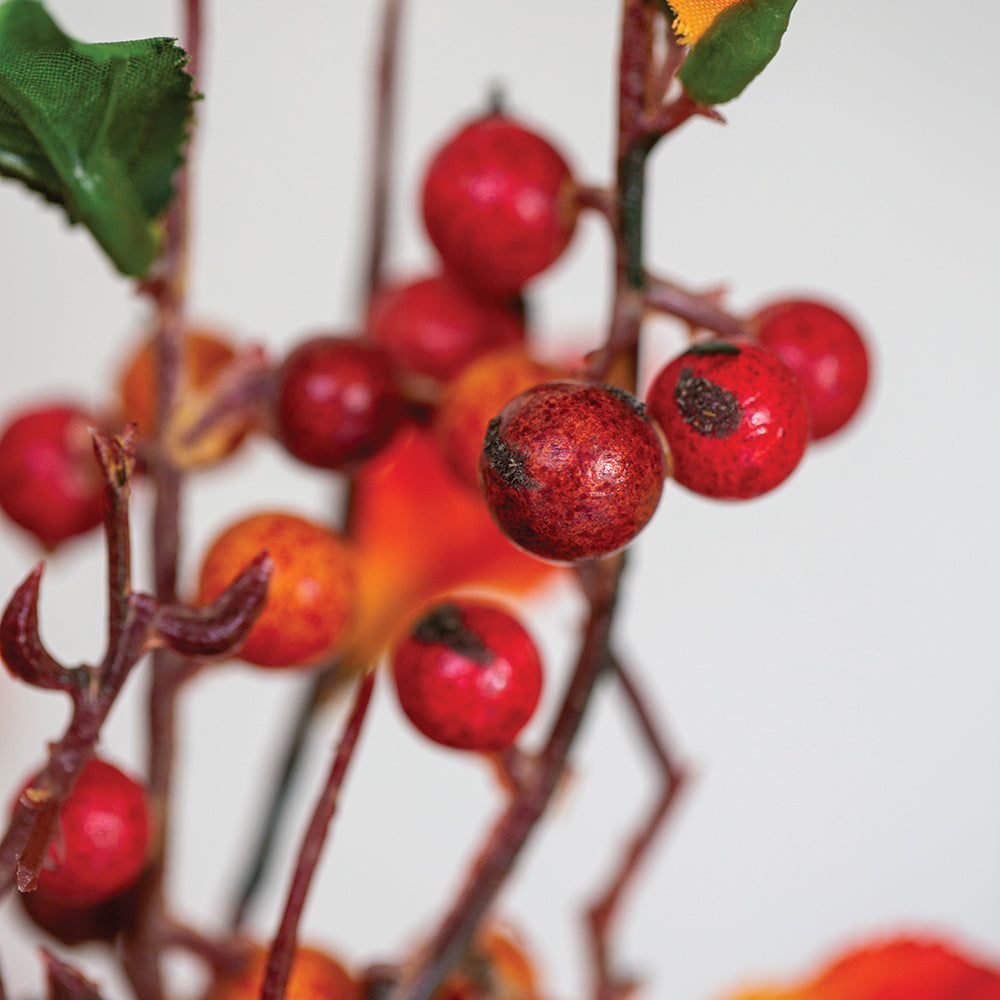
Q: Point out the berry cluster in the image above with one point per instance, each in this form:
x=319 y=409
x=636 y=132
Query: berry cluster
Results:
x=469 y=461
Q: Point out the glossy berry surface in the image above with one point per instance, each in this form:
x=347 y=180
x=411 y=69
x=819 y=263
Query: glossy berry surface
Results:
x=336 y=402
x=435 y=326
x=468 y=676
x=471 y=400
x=311 y=594
x=314 y=975
x=101 y=838
x=50 y=481
x=572 y=470
x=499 y=204
x=734 y=417
x=826 y=352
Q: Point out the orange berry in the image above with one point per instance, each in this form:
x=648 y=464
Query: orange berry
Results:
x=314 y=976
x=311 y=594
x=474 y=398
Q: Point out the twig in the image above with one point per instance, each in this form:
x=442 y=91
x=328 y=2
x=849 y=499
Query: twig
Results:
x=385 y=105
x=665 y=296
x=602 y=912
x=277 y=798
x=283 y=948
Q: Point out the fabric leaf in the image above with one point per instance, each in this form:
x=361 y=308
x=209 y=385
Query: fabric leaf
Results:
x=740 y=42
x=96 y=128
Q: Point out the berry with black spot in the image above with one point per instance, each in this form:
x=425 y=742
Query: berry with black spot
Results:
x=499 y=204
x=572 y=470
x=468 y=676
x=827 y=353
x=734 y=417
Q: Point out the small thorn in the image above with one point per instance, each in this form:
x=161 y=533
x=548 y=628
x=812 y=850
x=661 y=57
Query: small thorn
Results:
x=20 y=644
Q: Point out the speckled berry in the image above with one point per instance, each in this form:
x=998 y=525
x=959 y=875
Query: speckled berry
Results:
x=468 y=676
x=336 y=402
x=827 y=353
x=314 y=975
x=499 y=204
x=311 y=594
x=572 y=470
x=734 y=418
x=101 y=838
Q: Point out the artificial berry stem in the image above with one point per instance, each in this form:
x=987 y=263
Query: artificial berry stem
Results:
x=700 y=311
x=382 y=151
x=283 y=947
x=601 y=914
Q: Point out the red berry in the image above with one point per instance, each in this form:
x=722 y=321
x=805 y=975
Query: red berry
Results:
x=78 y=924
x=336 y=402
x=311 y=595
x=734 y=417
x=468 y=676
x=50 y=481
x=826 y=352
x=499 y=204
x=435 y=326
x=101 y=839
x=572 y=470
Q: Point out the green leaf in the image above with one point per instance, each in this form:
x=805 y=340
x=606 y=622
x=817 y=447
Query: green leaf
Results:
x=740 y=43
x=96 y=128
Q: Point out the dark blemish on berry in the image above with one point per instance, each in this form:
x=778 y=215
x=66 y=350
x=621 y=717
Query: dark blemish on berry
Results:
x=711 y=410
x=713 y=347
x=637 y=407
x=444 y=626
x=507 y=463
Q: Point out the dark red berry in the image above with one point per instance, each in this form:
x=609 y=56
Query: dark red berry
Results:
x=734 y=417
x=101 y=839
x=78 y=924
x=436 y=326
x=336 y=402
x=572 y=470
x=826 y=352
x=499 y=204
x=50 y=481
x=468 y=676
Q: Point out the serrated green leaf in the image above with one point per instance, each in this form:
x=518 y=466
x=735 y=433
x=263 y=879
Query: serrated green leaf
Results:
x=740 y=43
x=96 y=128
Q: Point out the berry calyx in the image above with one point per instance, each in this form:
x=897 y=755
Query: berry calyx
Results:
x=311 y=594
x=50 y=481
x=827 y=353
x=468 y=676
x=572 y=470
x=499 y=204
x=734 y=418
x=470 y=401
x=314 y=975
x=102 y=836
x=336 y=402
x=433 y=327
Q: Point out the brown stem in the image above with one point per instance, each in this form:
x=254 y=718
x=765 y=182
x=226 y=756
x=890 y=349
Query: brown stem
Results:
x=143 y=942
x=665 y=296
x=509 y=836
x=602 y=912
x=283 y=948
x=385 y=105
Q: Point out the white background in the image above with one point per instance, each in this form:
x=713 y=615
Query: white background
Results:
x=824 y=658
